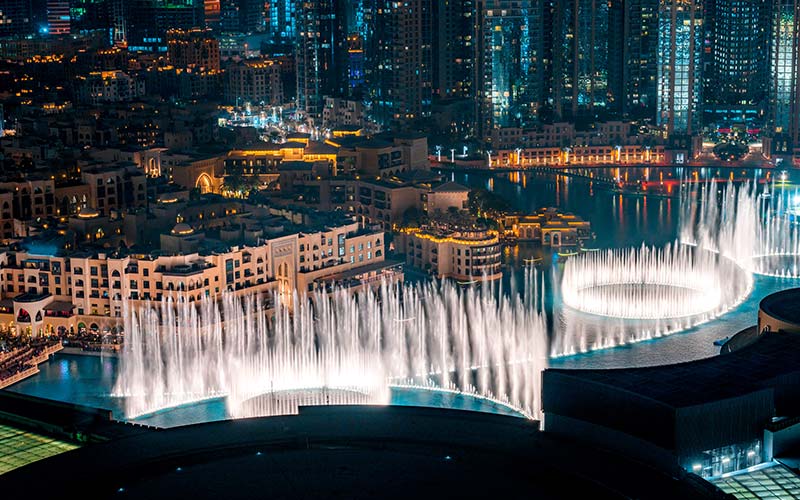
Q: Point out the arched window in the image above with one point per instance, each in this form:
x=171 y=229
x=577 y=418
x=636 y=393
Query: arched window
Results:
x=23 y=316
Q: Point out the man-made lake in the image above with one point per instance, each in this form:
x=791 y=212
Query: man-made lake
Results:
x=619 y=220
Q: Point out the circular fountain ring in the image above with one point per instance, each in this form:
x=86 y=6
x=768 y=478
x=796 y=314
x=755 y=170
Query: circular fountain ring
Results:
x=777 y=265
x=288 y=401
x=675 y=282
x=643 y=300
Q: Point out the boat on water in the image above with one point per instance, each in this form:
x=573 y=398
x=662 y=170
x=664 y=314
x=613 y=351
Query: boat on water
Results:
x=721 y=341
x=590 y=249
x=567 y=254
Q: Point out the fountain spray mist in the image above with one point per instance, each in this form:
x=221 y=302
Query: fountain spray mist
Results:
x=267 y=357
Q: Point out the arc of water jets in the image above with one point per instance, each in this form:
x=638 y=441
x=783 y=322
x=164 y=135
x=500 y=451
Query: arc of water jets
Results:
x=343 y=348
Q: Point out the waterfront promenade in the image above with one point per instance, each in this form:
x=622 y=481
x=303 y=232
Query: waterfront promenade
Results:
x=22 y=362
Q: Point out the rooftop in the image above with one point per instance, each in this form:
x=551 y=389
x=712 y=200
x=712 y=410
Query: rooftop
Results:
x=771 y=481
x=450 y=187
x=783 y=305
x=721 y=377
x=356 y=452
x=19 y=447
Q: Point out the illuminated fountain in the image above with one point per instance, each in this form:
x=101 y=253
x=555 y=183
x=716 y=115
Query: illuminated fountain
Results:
x=756 y=227
x=342 y=348
x=623 y=296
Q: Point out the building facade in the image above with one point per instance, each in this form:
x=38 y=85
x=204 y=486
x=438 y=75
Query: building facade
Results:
x=466 y=255
x=509 y=64
x=254 y=81
x=194 y=48
x=737 y=34
x=680 y=32
x=632 y=63
x=317 y=52
x=580 y=57
x=43 y=294
x=784 y=91
x=399 y=54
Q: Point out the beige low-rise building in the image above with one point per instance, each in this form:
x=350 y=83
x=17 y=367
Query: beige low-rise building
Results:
x=89 y=290
x=464 y=254
x=548 y=226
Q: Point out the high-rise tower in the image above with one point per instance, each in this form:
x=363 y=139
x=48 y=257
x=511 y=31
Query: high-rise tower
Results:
x=680 y=30
x=399 y=58
x=580 y=57
x=783 y=88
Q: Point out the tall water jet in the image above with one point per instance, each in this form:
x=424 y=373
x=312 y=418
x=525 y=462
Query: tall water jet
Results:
x=753 y=225
x=623 y=296
x=269 y=357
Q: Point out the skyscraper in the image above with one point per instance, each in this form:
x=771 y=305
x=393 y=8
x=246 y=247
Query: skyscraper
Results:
x=633 y=49
x=147 y=21
x=243 y=16
x=321 y=55
x=453 y=53
x=212 y=12
x=58 y=17
x=193 y=49
x=16 y=18
x=400 y=61
x=281 y=19
x=509 y=64
x=680 y=29
x=580 y=57
x=736 y=74
x=784 y=90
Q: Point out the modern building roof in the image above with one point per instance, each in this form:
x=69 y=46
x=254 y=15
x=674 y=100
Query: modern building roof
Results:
x=20 y=447
x=783 y=305
x=356 y=452
x=713 y=379
x=770 y=481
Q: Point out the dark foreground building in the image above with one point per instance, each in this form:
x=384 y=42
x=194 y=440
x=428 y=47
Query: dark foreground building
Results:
x=353 y=452
x=711 y=416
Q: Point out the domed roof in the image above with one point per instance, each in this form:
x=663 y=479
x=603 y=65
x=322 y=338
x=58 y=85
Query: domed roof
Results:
x=182 y=228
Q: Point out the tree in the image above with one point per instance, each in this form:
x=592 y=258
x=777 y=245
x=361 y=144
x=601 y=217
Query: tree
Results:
x=481 y=201
x=413 y=217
